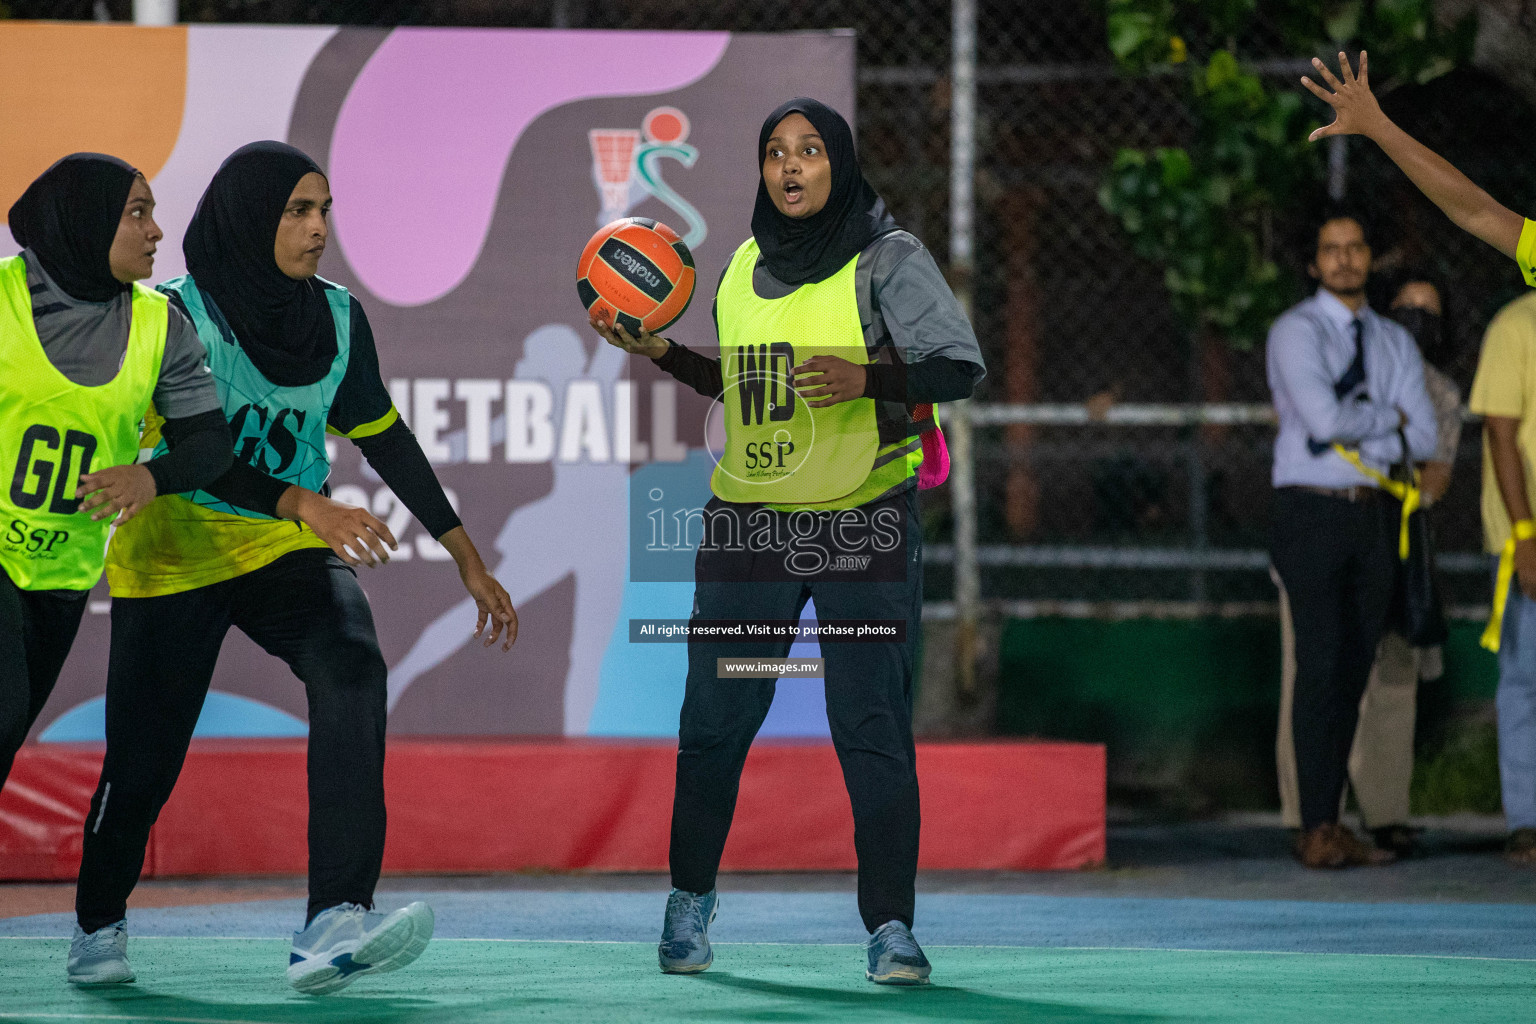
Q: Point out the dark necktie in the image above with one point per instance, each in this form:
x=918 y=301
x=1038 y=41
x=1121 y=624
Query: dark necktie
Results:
x=1354 y=376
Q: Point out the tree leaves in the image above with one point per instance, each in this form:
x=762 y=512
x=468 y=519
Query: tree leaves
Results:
x=1204 y=211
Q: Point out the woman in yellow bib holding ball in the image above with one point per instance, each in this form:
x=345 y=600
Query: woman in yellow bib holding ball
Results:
x=837 y=335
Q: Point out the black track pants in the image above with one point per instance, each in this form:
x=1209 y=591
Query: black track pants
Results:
x=1338 y=561
x=869 y=708
x=305 y=608
x=36 y=630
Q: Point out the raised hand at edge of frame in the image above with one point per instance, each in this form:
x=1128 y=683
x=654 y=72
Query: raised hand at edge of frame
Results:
x=648 y=345
x=1469 y=207
x=1355 y=109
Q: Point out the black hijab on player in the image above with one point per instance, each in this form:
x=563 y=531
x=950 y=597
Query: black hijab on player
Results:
x=810 y=249
x=284 y=325
x=68 y=217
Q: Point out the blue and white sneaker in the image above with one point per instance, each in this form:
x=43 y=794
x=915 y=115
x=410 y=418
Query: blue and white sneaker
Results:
x=684 y=945
x=895 y=958
x=100 y=958
x=349 y=940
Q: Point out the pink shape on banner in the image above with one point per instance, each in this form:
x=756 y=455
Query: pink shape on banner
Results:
x=423 y=138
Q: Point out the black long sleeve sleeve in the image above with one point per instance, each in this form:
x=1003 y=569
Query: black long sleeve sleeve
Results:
x=935 y=379
x=247 y=487
x=397 y=457
x=394 y=453
x=200 y=450
x=698 y=372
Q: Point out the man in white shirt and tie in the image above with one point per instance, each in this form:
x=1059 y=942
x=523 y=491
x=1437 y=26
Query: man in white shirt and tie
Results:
x=1340 y=374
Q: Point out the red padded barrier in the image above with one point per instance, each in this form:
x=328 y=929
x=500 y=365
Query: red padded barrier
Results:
x=513 y=805
x=42 y=807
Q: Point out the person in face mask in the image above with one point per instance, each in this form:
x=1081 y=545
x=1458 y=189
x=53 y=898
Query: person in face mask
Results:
x=1381 y=758
x=1418 y=303
x=83 y=353
x=293 y=358
x=837 y=335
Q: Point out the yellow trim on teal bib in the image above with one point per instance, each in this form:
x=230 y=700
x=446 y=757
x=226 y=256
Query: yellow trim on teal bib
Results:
x=368 y=429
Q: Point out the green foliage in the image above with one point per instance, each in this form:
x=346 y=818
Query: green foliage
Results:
x=1405 y=35
x=1461 y=777
x=1205 y=210
x=1140 y=31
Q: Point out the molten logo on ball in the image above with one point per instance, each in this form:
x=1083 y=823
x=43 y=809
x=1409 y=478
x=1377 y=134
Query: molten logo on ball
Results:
x=635 y=274
x=637 y=268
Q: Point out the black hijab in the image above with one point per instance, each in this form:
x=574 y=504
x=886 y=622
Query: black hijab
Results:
x=284 y=325
x=68 y=217
x=814 y=248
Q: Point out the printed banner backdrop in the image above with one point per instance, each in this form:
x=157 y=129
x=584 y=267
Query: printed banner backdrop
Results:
x=468 y=167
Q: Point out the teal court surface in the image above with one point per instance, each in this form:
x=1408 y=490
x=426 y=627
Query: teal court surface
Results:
x=1225 y=931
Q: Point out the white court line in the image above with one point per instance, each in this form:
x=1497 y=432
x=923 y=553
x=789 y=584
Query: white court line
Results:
x=860 y=945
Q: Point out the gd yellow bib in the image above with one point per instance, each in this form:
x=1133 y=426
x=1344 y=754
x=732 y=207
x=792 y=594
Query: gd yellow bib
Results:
x=53 y=430
x=779 y=450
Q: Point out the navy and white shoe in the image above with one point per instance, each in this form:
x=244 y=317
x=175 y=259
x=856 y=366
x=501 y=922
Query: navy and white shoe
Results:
x=684 y=947
x=348 y=941
x=100 y=958
x=895 y=958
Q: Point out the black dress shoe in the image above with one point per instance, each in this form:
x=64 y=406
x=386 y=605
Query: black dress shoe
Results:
x=1399 y=839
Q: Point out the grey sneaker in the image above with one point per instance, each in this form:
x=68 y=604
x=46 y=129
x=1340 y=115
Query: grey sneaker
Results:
x=347 y=941
x=684 y=945
x=100 y=958
x=895 y=958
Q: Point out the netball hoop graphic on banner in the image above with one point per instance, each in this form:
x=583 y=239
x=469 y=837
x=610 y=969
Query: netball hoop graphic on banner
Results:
x=626 y=168
x=551 y=441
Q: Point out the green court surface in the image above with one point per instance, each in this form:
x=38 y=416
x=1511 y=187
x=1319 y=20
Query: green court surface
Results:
x=462 y=981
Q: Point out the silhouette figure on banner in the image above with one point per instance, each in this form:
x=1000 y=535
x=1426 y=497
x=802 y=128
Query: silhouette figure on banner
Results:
x=561 y=534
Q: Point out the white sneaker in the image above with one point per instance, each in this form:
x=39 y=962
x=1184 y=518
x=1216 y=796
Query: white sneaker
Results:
x=347 y=941
x=100 y=958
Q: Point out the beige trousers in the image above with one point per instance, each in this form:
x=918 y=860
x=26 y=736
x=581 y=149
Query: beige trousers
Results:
x=1381 y=757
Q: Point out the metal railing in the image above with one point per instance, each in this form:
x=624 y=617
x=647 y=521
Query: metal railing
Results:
x=1196 y=557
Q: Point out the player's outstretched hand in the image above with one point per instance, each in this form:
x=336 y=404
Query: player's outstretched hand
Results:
x=648 y=345
x=355 y=534
x=1355 y=109
x=827 y=380
x=492 y=605
x=123 y=491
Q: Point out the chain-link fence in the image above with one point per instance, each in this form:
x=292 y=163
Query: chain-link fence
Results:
x=1131 y=496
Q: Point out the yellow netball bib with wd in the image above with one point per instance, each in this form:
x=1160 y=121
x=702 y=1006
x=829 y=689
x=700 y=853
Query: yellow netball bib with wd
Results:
x=53 y=430
x=779 y=450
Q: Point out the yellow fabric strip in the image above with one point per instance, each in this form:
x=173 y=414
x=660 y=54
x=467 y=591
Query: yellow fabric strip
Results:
x=1525 y=529
x=377 y=426
x=175 y=545
x=1525 y=252
x=1406 y=493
